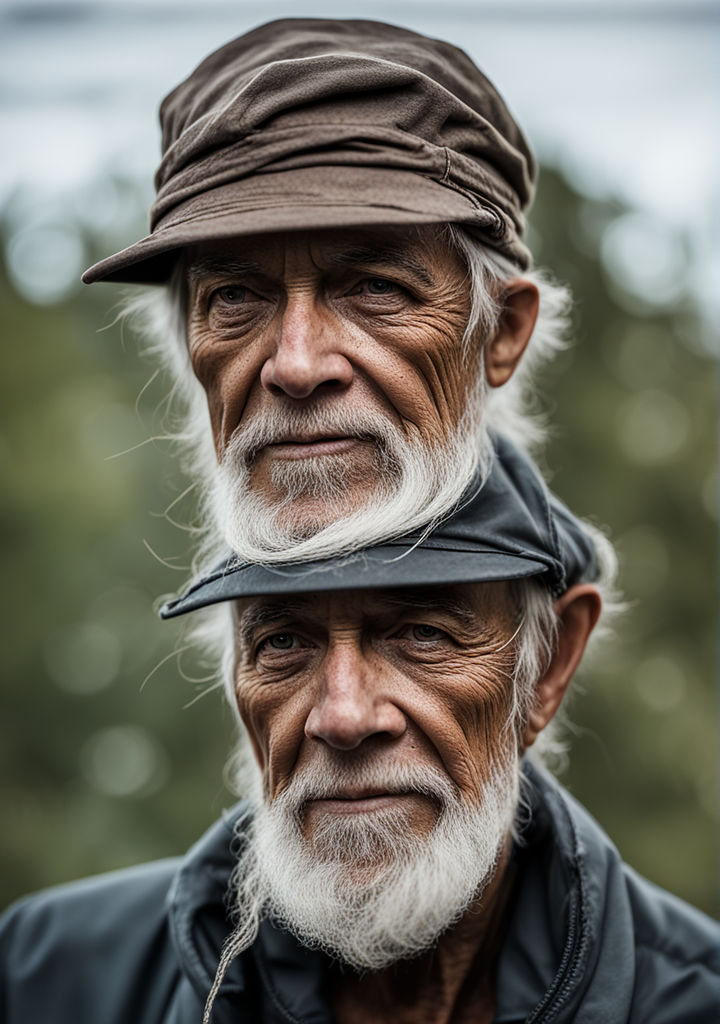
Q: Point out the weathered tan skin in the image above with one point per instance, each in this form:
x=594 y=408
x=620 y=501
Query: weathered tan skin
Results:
x=388 y=676
x=358 y=319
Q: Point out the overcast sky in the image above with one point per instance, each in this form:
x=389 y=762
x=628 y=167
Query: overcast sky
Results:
x=623 y=96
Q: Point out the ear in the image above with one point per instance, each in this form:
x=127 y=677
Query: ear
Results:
x=578 y=610
x=521 y=301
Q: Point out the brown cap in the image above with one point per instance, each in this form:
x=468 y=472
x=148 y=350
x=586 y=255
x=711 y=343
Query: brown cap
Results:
x=307 y=123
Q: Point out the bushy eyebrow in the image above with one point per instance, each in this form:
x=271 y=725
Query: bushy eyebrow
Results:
x=259 y=615
x=216 y=266
x=410 y=601
x=391 y=257
x=356 y=257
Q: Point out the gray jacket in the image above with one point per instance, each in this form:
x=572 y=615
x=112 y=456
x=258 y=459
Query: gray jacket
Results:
x=589 y=941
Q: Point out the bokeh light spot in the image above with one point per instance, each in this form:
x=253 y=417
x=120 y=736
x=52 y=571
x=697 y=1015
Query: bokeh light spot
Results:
x=652 y=427
x=661 y=683
x=645 y=257
x=45 y=262
x=83 y=659
x=124 y=760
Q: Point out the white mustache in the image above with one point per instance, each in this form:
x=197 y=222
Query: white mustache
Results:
x=277 y=424
x=327 y=781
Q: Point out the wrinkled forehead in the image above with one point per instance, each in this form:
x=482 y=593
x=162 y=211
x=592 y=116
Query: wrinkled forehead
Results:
x=470 y=605
x=424 y=251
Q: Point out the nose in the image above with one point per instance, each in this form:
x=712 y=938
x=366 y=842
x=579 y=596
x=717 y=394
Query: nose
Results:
x=352 y=704
x=307 y=355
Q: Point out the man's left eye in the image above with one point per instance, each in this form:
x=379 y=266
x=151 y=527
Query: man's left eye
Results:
x=380 y=286
x=423 y=632
x=281 y=641
x=231 y=295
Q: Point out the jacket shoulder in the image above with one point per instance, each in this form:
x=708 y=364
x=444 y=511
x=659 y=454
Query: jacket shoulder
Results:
x=669 y=925
x=677 y=957
x=644 y=956
x=83 y=911
x=87 y=945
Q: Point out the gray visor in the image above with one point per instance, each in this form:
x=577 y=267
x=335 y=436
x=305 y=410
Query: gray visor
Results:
x=507 y=528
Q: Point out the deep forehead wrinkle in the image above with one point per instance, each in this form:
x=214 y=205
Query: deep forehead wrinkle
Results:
x=459 y=607
x=215 y=266
x=390 y=256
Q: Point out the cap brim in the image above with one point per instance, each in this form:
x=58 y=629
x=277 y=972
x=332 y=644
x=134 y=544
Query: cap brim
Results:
x=295 y=200
x=389 y=565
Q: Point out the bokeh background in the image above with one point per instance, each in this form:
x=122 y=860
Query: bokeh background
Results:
x=111 y=752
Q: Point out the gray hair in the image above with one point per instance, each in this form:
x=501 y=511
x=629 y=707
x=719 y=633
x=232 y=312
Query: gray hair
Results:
x=537 y=642
x=512 y=408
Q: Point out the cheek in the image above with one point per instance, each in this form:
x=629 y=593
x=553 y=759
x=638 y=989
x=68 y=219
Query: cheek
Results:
x=247 y=706
x=430 y=353
x=484 y=719
x=469 y=710
x=274 y=716
x=226 y=373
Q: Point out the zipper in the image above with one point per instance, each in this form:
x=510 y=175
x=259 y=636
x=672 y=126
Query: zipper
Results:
x=575 y=945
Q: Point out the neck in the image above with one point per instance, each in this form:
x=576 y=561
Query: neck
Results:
x=453 y=983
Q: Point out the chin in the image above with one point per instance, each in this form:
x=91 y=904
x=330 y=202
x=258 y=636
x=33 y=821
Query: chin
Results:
x=306 y=515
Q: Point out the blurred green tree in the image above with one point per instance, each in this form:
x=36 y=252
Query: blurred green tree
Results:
x=105 y=764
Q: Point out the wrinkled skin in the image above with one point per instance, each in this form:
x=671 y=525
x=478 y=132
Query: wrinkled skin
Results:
x=392 y=676
x=351 y=318
x=359 y=319
x=422 y=676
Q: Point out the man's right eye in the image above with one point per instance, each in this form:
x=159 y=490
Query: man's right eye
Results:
x=282 y=642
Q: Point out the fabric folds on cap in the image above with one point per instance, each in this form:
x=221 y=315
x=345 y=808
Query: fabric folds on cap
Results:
x=311 y=123
x=509 y=527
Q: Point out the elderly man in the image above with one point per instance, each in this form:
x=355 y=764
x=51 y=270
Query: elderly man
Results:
x=400 y=858
x=339 y=226
x=339 y=232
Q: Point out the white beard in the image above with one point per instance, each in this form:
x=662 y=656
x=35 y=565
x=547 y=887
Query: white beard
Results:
x=414 y=485
x=367 y=889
